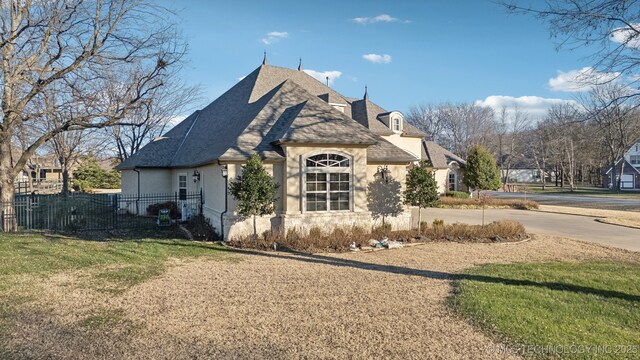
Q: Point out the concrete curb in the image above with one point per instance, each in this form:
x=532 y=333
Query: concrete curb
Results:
x=604 y=221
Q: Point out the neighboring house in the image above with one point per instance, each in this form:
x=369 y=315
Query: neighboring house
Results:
x=448 y=167
x=628 y=168
x=323 y=148
x=522 y=170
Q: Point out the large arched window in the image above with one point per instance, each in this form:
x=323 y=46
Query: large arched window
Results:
x=328 y=182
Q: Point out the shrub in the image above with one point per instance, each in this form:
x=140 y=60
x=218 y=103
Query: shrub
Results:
x=154 y=209
x=457 y=194
x=91 y=176
x=342 y=237
x=489 y=202
x=505 y=229
x=381 y=230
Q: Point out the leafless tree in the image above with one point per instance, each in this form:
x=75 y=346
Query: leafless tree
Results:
x=510 y=132
x=76 y=46
x=466 y=125
x=610 y=27
x=565 y=136
x=155 y=115
x=428 y=119
x=617 y=120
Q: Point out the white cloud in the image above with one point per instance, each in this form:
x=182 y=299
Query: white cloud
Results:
x=627 y=36
x=534 y=106
x=580 y=80
x=377 y=59
x=322 y=75
x=274 y=36
x=385 y=18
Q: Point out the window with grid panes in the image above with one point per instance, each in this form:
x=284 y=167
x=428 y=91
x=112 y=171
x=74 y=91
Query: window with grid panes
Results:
x=328 y=183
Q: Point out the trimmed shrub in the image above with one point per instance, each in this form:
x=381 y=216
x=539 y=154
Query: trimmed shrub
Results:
x=457 y=194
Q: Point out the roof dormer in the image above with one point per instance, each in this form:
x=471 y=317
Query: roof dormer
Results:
x=394 y=120
x=337 y=102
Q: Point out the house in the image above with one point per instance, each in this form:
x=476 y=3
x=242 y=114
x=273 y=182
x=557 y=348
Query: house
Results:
x=522 y=169
x=448 y=167
x=323 y=148
x=627 y=170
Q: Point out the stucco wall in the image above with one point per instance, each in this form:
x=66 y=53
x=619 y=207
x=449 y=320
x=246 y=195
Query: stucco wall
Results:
x=409 y=144
x=379 y=191
x=152 y=181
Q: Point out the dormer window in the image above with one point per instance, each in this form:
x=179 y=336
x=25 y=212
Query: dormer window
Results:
x=397 y=124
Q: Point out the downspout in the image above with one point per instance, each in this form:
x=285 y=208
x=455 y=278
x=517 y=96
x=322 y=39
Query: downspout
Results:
x=138 y=192
x=225 y=175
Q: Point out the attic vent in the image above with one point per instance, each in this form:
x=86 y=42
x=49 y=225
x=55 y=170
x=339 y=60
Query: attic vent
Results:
x=338 y=107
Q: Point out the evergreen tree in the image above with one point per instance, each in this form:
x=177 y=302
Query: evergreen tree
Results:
x=91 y=176
x=481 y=171
x=254 y=190
x=422 y=190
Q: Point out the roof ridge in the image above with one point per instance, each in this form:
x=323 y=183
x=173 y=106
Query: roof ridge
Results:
x=186 y=135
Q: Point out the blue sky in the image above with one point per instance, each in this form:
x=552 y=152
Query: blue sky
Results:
x=418 y=51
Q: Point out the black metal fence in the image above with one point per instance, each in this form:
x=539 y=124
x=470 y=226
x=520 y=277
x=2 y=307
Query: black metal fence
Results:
x=76 y=212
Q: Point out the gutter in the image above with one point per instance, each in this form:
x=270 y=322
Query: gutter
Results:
x=138 y=192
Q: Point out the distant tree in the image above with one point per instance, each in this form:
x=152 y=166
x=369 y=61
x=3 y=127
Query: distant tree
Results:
x=255 y=190
x=481 y=172
x=421 y=189
x=91 y=176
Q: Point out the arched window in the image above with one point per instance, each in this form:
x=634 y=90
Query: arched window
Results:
x=328 y=182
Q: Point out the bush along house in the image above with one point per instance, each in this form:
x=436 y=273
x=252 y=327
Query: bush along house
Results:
x=323 y=149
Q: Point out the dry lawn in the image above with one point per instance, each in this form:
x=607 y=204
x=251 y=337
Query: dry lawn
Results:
x=387 y=304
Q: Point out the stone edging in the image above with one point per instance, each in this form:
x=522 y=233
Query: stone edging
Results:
x=186 y=232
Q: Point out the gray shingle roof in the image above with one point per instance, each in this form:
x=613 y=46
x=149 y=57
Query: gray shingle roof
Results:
x=439 y=156
x=269 y=106
x=385 y=151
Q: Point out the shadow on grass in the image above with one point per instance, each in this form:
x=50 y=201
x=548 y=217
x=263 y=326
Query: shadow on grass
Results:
x=440 y=275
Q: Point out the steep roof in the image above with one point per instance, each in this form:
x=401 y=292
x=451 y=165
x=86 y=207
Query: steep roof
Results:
x=439 y=157
x=268 y=107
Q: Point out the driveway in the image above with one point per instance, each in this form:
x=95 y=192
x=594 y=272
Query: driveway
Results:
x=571 y=226
x=597 y=202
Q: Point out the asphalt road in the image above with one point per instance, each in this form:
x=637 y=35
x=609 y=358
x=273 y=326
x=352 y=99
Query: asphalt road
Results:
x=610 y=203
x=571 y=226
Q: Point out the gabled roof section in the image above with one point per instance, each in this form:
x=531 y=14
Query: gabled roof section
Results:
x=385 y=151
x=368 y=114
x=316 y=122
x=439 y=157
x=270 y=106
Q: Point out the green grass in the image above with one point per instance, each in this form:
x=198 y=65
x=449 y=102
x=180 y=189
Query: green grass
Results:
x=113 y=266
x=556 y=304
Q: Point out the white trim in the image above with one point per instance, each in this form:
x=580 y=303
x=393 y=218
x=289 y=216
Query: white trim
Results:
x=326 y=170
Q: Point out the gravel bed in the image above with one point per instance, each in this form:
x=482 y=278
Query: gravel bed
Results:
x=386 y=304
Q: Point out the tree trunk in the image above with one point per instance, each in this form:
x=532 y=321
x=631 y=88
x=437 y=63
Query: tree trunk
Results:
x=419 y=220
x=65 y=179
x=255 y=229
x=7 y=187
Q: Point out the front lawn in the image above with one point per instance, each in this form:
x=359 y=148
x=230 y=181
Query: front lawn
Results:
x=114 y=265
x=557 y=304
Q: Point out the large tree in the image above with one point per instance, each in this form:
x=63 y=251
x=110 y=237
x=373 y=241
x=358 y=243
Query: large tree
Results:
x=102 y=57
x=157 y=114
x=609 y=28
